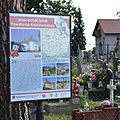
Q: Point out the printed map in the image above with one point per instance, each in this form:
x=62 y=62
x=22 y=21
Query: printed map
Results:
x=55 y=43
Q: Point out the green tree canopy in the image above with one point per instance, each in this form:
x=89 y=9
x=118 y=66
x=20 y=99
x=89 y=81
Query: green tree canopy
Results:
x=93 y=50
x=78 y=38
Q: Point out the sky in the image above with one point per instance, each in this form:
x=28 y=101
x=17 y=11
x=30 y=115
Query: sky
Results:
x=96 y=9
x=21 y=34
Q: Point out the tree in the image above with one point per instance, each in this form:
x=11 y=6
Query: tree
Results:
x=78 y=38
x=93 y=50
x=118 y=13
x=38 y=5
x=16 y=111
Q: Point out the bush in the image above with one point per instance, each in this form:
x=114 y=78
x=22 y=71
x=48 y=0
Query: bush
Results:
x=74 y=71
x=118 y=89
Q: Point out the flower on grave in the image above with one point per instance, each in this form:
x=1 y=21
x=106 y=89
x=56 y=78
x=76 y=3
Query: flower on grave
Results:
x=93 y=76
x=79 y=81
x=86 y=77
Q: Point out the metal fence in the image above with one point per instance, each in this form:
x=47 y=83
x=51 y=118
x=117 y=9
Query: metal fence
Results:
x=91 y=104
x=104 y=114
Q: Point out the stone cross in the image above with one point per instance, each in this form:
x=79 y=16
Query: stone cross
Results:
x=111 y=87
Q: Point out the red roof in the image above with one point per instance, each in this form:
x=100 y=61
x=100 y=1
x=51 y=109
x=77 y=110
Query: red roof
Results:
x=109 y=26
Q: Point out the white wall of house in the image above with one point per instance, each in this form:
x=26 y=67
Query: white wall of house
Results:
x=15 y=47
x=111 y=40
x=25 y=46
x=100 y=44
x=33 y=46
x=108 y=43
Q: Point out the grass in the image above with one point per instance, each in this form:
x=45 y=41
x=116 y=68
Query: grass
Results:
x=62 y=116
x=57 y=117
x=92 y=105
x=118 y=102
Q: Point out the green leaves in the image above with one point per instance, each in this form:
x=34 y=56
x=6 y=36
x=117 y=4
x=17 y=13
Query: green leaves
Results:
x=78 y=38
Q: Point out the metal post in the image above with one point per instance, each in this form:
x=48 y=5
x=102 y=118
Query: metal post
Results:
x=39 y=111
x=112 y=81
x=107 y=53
x=112 y=93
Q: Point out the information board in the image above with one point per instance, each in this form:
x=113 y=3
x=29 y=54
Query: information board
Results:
x=39 y=57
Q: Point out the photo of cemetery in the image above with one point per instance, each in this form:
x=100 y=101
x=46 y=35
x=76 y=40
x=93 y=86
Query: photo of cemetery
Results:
x=49 y=83
x=49 y=70
x=25 y=40
x=62 y=82
x=62 y=68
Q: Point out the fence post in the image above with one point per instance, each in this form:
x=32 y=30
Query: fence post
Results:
x=39 y=111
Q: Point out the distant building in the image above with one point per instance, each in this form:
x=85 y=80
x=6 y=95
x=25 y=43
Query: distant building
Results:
x=85 y=55
x=107 y=37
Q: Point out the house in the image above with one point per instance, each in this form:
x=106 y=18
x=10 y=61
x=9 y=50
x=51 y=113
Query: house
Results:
x=107 y=38
x=29 y=44
x=15 y=47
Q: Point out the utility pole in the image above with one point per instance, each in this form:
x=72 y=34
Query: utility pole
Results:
x=116 y=56
x=118 y=47
x=107 y=53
